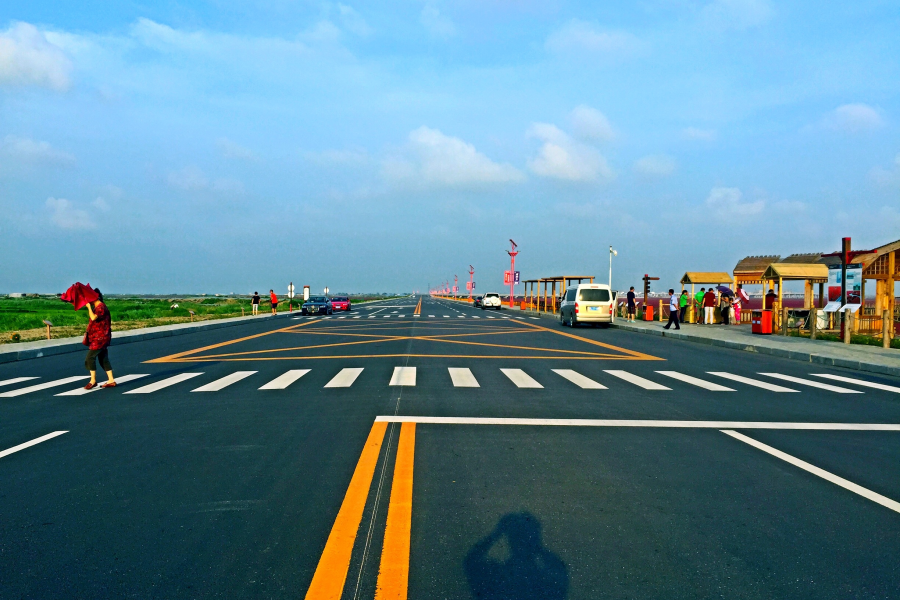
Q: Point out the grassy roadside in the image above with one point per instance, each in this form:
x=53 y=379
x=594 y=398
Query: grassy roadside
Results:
x=24 y=316
x=864 y=340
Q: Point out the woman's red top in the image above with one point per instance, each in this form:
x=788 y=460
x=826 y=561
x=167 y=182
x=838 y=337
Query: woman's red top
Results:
x=99 y=331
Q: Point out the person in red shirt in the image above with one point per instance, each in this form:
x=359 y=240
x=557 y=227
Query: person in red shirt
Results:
x=97 y=339
x=274 y=300
x=709 y=306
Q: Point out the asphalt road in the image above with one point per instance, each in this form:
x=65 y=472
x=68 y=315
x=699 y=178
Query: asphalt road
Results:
x=431 y=450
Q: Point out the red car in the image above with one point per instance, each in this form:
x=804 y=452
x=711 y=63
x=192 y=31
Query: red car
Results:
x=340 y=303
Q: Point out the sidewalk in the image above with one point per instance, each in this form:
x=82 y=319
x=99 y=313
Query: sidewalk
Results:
x=738 y=337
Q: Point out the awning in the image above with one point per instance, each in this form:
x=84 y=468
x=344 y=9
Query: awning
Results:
x=704 y=277
x=797 y=272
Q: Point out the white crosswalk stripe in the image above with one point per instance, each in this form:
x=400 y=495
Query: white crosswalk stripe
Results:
x=15 y=380
x=707 y=385
x=405 y=376
x=814 y=384
x=637 y=380
x=119 y=380
x=580 y=380
x=462 y=377
x=521 y=378
x=164 y=383
x=43 y=386
x=344 y=378
x=282 y=381
x=224 y=382
x=871 y=384
x=754 y=382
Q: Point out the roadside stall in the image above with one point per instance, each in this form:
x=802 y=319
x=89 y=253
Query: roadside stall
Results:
x=703 y=278
x=882 y=265
x=777 y=274
x=543 y=294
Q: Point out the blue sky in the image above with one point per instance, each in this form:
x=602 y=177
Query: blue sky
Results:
x=217 y=147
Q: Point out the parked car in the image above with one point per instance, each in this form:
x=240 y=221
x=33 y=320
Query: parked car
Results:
x=477 y=302
x=491 y=300
x=317 y=305
x=587 y=303
x=340 y=303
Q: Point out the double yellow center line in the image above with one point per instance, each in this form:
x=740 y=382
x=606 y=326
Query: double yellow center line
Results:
x=418 y=310
x=393 y=574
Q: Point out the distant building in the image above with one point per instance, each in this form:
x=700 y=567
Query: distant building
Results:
x=17 y=295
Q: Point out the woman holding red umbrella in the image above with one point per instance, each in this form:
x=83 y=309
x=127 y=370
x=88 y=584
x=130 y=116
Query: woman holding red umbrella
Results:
x=97 y=338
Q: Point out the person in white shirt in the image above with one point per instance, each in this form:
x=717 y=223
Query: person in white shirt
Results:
x=673 y=310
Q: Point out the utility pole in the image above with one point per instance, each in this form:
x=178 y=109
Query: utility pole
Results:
x=455 y=287
x=512 y=271
x=611 y=254
x=471 y=281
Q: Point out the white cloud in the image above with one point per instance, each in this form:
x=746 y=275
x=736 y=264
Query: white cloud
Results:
x=726 y=204
x=693 y=133
x=655 y=166
x=192 y=179
x=351 y=156
x=234 y=150
x=437 y=24
x=353 y=21
x=590 y=124
x=722 y=15
x=65 y=216
x=583 y=38
x=28 y=58
x=28 y=150
x=853 y=118
x=561 y=157
x=886 y=176
x=432 y=157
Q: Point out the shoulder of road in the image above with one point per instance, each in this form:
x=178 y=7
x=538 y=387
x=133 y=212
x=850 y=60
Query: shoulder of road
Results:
x=41 y=348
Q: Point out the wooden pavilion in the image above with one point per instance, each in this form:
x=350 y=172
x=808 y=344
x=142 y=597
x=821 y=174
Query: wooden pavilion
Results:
x=882 y=265
x=546 y=299
x=703 y=277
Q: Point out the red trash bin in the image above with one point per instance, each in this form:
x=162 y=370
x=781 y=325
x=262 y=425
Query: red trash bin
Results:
x=648 y=312
x=761 y=322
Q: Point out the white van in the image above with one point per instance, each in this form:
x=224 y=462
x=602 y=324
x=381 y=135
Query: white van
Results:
x=587 y=303
x=491 y=300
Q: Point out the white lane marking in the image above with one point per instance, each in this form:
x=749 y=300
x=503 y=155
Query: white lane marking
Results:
x=505 y=317
x=164 y=383
x=224 y=382
x=446 y=316
x=707 y=385
x=15 y=380
x=492 y=317
x=580 y=380
x=344 y=378
x=754 y=382
x=401 y=316
x=43 y=386
x=840 y=481
x=285 y=379
x=342 y=317
x=417 y=315
x=355 y=317
x=475 y=317
x=461 y=316
x=123 y=379
x=521 y=378
x=877 y=386
x=404 y=376
x=534 y=318
x=643 y=423
x=638 y=381
x=33 y=442
x=462 y=377
x=810 y=383
x=387 y=316
x=432 y=316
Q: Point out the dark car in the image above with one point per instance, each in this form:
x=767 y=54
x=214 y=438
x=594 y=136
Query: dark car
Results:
x=477 y=302
x=340 y=303
x=317 y=305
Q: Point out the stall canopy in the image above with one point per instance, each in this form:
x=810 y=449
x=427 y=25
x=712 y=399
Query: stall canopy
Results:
x=750 y=269
x=698 y=277
x=814 y=273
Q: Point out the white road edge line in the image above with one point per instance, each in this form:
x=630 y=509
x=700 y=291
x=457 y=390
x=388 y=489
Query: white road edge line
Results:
x=840 y=481
x=640 y=423
x=33 y=442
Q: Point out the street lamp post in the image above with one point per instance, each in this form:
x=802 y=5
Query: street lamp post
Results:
x=471 y=280
x=455 y=287
x=611 y=254
x=512 y=271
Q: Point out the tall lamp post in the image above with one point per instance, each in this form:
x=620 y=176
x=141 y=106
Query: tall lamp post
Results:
x=455 y=287
x=611 y=254
x=512 y=271
x=471 y=281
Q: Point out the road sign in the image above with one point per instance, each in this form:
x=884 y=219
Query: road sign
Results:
x=473 y=286
x=305 y=293
x=291 y=290
x=455 y=289
x=326 y=290
x=506 y=277
x=468 y=286
x=516 y=279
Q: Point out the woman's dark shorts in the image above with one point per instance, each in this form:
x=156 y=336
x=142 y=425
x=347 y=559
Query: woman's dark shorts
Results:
x=90 y=363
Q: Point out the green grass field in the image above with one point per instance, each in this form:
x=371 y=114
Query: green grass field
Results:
x=25 y=316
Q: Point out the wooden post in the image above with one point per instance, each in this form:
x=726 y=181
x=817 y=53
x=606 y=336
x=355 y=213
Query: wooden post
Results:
x=693 y=308
x=846 y=328
x=813 y=322
x=660 y=311
x=48 y=332
x=821 y=295
x=784 y=320
x=887 y=319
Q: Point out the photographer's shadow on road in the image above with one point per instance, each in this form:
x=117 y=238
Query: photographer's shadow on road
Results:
x=511 y=563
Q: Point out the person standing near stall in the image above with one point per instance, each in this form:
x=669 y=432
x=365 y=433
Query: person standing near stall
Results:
x=709 y=307
x=698 y=301
x=274 y=300
x=631 y=303
x=254 y=302
x=683 y=305
x=97 y=339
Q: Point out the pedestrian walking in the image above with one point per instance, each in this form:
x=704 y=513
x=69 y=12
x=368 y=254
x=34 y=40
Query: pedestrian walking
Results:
x=255 y=303
x=274 y=299
x=683 y=305
x=698 y=305
x=673 y=310
x=97 y=339
x=631 y=305
x=709 y=307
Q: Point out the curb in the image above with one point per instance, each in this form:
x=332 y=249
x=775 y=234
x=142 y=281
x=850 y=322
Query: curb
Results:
x=779 y=352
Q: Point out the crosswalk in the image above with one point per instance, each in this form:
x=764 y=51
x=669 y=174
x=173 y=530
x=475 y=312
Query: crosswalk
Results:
x=403 y=316
x=463 y=377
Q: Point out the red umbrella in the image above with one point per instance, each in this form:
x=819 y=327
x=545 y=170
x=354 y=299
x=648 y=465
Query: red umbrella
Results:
x=79 y=294
x=744 y=295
